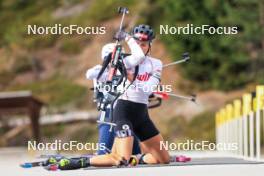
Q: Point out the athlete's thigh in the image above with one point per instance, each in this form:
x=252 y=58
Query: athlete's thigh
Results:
x=153 y=146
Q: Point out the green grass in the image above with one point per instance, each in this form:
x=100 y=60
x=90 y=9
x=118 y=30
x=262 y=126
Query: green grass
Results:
x=71 y=45
x=56 y=91
x=5 y=77
x=22 y=65
x=175 y=128
x=14 y=25
x=201 y=127
x=52 y=130
x=101 y=10
x=81 y=132
x=16 y=16
x=87 y=133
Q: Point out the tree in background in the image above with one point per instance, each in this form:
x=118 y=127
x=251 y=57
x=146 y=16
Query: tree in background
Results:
x=219 y=61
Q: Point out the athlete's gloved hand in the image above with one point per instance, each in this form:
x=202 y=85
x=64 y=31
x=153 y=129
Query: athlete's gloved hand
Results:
x=107 y=99
x=121 y=35
x=110 y=96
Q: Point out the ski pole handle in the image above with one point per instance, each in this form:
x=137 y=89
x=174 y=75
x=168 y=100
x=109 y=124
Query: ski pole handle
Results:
x=123 y=10
x=186 y=56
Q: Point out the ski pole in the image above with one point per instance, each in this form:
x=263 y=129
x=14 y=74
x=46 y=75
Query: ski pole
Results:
x=185 y=57
x=117 y=51
x=165 y=95
x=191 y=98
x=124 y=11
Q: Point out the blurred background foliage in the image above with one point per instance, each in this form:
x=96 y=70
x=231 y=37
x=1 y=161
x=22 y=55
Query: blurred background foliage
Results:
x=237 y=59
x=219 y=61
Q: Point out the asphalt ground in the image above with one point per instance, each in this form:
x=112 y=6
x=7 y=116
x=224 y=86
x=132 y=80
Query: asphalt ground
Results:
x=202 y=164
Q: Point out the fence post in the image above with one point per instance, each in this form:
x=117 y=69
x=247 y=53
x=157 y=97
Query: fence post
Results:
x=246 y=110
x=251 y=134
x=237 y=114
x=240 y=123
x=222 y=114
x=229 y=112
x=223 y=126
x=259 y=106
x=217 y=128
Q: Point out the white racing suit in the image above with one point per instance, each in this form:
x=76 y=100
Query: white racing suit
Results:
x=135 y=96
x=148 y=75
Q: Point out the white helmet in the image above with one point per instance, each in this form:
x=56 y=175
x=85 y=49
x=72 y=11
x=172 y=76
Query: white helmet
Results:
x=108 y=48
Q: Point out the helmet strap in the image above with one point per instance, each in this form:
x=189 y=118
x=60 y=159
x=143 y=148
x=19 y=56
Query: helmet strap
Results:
x=149 y=49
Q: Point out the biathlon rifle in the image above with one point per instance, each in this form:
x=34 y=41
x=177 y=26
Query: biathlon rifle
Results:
x=114 y=62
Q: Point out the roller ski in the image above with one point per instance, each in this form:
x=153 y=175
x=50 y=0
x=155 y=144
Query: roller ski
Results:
x=49 y=161
x=69 y=164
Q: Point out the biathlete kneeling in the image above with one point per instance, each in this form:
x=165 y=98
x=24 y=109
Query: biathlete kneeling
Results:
x=105 y=135
x=131 y=112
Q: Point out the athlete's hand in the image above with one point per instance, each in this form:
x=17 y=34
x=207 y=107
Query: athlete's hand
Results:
x=121 y=35
x=109 y=97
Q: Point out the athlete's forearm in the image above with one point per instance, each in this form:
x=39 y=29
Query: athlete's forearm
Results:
x=137 y=55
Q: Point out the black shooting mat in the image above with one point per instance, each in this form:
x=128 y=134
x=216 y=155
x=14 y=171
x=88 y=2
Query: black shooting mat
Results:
x=193 y=162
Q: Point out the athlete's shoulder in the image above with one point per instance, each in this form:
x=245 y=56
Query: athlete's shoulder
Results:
x=155 y=61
